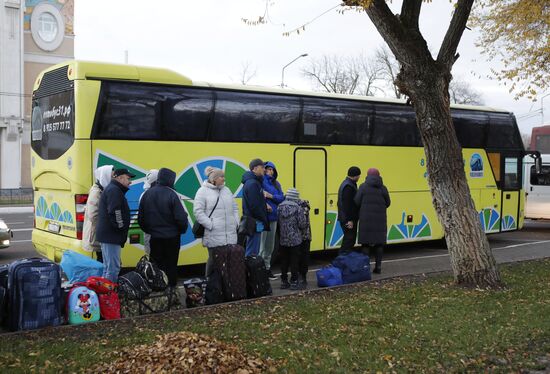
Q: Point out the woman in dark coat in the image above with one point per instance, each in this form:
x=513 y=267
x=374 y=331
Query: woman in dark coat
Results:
x=373 y=200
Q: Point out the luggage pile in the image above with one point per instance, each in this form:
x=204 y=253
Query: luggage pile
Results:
x=346 y=268
x=235 y=277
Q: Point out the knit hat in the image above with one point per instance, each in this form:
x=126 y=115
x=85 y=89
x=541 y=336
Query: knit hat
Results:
x=255 y=163
x=373 y=171
x=354 y=171
x=150 y=178
x=292 y=194
x=213 y=173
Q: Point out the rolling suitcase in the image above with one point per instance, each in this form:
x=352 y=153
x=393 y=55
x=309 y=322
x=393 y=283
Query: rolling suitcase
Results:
x=34 y=294
x=237 y=273
x=257 y=279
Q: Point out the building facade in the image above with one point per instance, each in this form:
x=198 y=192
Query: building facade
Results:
x=34 y=35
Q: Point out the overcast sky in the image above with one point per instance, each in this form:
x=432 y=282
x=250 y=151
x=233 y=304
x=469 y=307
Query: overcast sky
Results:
x=206 y=40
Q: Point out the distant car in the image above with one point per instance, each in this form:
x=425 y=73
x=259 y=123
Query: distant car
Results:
x=5 y=234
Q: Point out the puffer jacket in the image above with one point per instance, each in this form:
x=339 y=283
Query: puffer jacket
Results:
x=161 y=213
x=253 y=198
x=113 y=220
x=292 y=221
x=271 y=184
x=103 y=178
x=221 y=228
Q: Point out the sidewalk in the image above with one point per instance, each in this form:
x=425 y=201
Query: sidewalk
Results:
x=436 y=263
x=16 y=209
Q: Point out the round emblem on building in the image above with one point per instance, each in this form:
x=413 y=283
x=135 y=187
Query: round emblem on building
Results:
x=47 y=26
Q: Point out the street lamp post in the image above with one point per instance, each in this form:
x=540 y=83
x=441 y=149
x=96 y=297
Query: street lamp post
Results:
x=284 y=67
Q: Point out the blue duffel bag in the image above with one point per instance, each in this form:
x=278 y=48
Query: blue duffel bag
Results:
x=78 y=267
x=355 y=267
x=329 y=276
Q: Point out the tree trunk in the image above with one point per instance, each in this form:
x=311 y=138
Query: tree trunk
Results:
x=472 y=261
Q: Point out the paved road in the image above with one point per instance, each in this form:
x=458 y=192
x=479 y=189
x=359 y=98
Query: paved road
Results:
x=531 y=242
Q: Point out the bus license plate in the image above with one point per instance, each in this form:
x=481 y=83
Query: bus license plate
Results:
x=54 y=227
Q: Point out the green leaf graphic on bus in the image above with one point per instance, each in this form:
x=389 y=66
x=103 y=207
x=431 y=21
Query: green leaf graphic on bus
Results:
x=54 y=212
x=490 y=219
x=404 y=231
x=508 y=223
x=333 y=230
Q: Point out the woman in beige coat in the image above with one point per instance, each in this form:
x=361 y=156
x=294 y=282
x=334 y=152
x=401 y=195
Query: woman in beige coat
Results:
x=103 y=176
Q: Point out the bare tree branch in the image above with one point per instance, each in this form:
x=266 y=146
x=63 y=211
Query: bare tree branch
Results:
x=410 y=12
x=447 y=53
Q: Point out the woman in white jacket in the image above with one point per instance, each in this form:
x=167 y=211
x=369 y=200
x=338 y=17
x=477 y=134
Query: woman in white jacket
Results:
x=221 y=227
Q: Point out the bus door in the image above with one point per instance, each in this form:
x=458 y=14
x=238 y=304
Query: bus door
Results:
x=537 y=190
x=510 y=206
x=310 y=176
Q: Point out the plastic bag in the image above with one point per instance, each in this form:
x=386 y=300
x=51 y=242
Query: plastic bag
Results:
x=79 y=267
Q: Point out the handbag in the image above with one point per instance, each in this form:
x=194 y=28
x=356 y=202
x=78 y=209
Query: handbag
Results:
x=247 y=226
x=198 y=229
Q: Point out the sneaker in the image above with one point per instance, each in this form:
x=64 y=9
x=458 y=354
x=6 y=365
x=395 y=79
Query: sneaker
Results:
x=271 y=276
x=284 y=284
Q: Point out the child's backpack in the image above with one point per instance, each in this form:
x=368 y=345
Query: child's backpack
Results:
x=153 y=275
x=195 y=290
x=109 y=304
x=82 y=305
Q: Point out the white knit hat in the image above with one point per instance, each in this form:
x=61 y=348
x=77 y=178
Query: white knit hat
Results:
x=213 y=173
x=150 y=178
x=292 y=194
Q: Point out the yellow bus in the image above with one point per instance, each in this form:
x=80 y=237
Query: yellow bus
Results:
x=88 y=114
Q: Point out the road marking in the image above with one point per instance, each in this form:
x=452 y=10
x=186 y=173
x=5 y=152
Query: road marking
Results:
x=519 y=245
x=15 y=223
x=21 y=241
x=14 y=230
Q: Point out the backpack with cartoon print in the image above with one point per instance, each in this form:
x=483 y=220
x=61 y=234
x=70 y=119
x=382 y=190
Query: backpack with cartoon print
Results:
x=82 y=305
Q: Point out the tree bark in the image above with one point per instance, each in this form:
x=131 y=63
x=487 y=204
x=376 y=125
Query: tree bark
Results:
x=426 y=82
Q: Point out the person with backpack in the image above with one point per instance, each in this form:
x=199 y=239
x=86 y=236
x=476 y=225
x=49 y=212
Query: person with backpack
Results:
x=303 y=261
x=273 y=194
x=215 y=208
x=292 y=222
x=103 y=176
x=113 y=222
x=373 y=200
x=254 y=206
x=161 y=215
x=348 y=213
x=150 y=181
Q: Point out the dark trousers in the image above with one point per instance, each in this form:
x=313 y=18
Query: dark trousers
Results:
x=165 y=253
x=376 y=251
x=350 y=236
x=289 y=256
x=304 y=258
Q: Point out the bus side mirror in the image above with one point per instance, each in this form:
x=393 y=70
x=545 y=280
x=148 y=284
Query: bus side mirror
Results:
x=538 y=165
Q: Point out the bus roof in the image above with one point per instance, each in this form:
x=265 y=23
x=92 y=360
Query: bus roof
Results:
x=109 y=71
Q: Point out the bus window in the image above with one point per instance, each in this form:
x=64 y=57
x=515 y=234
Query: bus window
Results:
x=471 y=128
x=335 y=122
x=52 y=125
x=511 y=174
x=186 y=114
x=395 y=125
x=502 y=132
x=129 y=111
x=494 y=160
x=255 y=117
x=542 y=179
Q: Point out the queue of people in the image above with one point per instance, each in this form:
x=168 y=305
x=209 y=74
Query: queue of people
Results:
x=266 y=209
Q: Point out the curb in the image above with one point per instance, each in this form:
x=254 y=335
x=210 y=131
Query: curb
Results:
x=16 y=209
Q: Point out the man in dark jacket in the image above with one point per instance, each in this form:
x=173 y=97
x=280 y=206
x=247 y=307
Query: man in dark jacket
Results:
x=348 y=213
x=254 y=204
x=373 y=200
x=113 y=222
x=161 y=215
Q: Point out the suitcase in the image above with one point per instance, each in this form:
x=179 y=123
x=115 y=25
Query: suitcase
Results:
x=237 y=274
x=34 y=294
x=355 y=267
x=257 y=279
x=214 y=288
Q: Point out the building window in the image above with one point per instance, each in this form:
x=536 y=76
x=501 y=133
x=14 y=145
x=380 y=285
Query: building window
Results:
x=48 y=27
